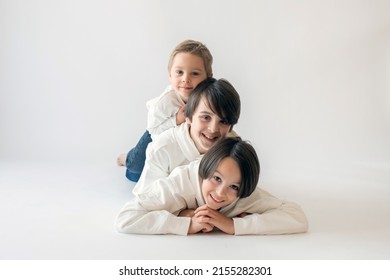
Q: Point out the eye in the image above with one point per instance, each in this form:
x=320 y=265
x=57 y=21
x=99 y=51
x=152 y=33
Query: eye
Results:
x=179 y=72
x=216 y=178
x=195 y=74
x=234 y=187
x=205 y=117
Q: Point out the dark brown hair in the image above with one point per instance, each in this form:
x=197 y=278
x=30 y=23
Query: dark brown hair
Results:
x=221 y=96
x=241 y=152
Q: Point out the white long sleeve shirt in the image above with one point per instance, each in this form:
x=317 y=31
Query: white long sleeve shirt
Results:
x=170 y=149
x=162 y=111
x=154 y=209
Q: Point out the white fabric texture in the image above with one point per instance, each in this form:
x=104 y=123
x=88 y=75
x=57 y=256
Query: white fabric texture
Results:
x=170 y=149
x=162 y=111
x=154 y=209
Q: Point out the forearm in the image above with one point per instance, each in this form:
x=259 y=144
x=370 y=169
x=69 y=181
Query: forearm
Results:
x=134 y=219
x=286 y=219
x=160 y=125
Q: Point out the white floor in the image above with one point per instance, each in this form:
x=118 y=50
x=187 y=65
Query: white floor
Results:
x=67 y=211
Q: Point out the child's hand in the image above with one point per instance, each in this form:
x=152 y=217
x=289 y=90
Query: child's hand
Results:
x=180 y=117
x=196 y=226
x=214 y=218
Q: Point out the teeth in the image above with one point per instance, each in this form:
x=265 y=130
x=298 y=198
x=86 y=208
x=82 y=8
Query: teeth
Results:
x=209 y=137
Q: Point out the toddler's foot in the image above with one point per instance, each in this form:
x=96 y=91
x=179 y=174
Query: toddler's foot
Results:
x=121 y=160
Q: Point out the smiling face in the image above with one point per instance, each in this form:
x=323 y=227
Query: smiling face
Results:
x=186 y=73
x=221 y=189
x=206 y=127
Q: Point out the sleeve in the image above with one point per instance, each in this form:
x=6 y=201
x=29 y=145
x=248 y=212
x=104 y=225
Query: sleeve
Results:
x=269 y=215
x=162 y=112
x=157 y=165
x=155 y=211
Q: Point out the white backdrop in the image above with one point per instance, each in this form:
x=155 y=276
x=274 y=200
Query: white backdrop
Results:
x=314 y=77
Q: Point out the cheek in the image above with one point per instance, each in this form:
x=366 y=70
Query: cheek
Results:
x=205 y=188
x=198 y=80
x=196 y=125
x=225 y=130
x=232 y=196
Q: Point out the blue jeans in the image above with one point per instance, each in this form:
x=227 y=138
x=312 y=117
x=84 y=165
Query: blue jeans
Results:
x=135 y=159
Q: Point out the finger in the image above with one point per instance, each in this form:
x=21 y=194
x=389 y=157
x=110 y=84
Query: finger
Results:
x=203 y=207
x=202 y=213
x=207 y=227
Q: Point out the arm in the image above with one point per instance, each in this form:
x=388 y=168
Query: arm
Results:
x=155 y=210
x=134 y=218
x=163 y=111
x=180 y=116
x=270 y=215
x=157 y=164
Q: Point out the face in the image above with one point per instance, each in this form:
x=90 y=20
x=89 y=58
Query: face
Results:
x=206 y=127
x=186 y=73
x=222 y=188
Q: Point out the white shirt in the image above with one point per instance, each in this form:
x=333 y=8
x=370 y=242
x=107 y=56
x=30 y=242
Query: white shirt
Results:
x=162 y=111
x=154 y=209
x=170 y=149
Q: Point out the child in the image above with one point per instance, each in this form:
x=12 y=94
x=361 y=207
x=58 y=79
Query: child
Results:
x=218 y=191
x=212 y=110
x=189 y=64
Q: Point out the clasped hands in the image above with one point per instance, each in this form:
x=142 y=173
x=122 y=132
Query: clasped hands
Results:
x=205 y=219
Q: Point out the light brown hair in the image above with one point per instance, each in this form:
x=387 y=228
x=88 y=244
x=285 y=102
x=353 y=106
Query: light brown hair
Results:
x=195 y=48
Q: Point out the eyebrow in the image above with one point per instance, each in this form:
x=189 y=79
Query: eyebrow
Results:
x=238 y=184
x=181 y=67
x=207 y=112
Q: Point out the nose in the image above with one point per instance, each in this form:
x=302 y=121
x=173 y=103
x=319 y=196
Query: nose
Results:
x=221 y=190
x=185 y=78
x=214 y=126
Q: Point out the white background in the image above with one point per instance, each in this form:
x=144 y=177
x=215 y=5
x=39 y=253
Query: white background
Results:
x=313 y=76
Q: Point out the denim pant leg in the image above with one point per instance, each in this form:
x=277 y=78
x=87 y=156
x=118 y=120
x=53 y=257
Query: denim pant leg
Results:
x=135 y=159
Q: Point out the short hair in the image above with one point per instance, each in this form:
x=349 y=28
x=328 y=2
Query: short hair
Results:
x=194 y=48
x=242 y=153
x=221 y=96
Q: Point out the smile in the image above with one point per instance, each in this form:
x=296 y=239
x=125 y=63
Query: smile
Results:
x=210 y=138
x=216 y=200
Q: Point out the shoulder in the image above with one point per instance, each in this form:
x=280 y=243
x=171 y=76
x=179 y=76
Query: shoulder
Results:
x=168 y=98
x=186 y=177
x=164 y=139
x=164 y=143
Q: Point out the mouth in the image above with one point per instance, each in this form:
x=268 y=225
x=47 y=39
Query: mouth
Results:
x=215 y=199
x=210 y=138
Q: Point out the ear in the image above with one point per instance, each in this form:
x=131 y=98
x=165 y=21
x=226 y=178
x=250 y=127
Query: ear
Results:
x=211 y=75
x=188 y=121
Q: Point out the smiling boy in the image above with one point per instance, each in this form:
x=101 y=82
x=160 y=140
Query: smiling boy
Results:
x=189 y=64
x=219 y=191
x=212 y=110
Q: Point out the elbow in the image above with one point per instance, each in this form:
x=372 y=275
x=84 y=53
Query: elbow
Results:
x=302 y=223
x=123 y=224
x=304 y=226
x=120 y=225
